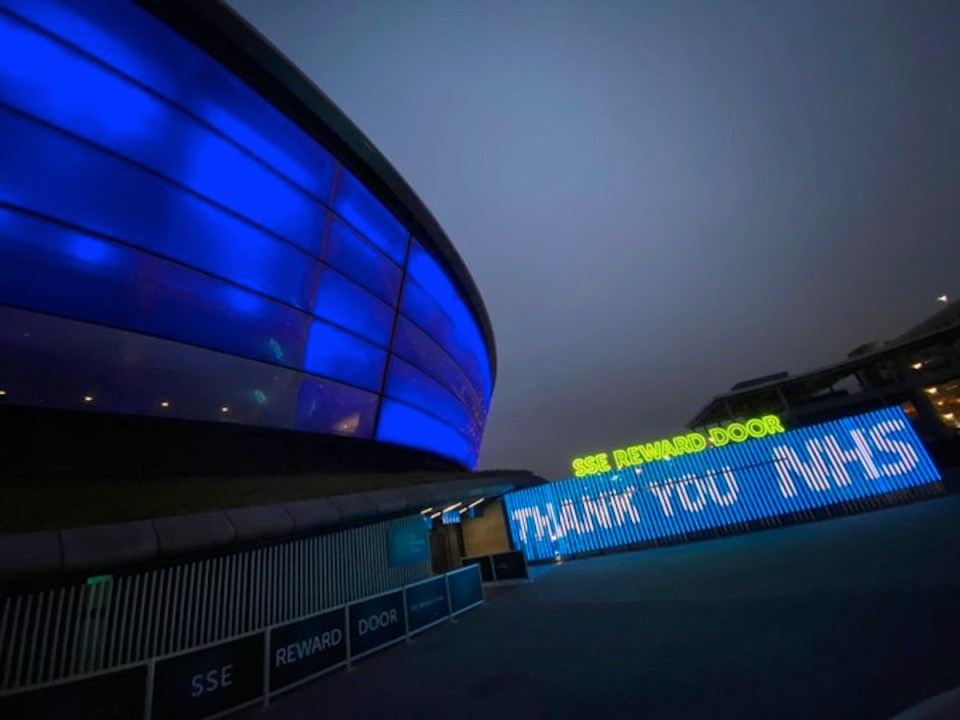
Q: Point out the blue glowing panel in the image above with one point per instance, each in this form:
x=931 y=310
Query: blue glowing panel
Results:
x=406 y=383
x=433 y=302
x=347 y=304
x=336 y=354
x=357 y=205
x=451 y=517
x=827 y=464
x=360 y=261
x=327 y=407
x=133 y=43
x=55 y=175
x=93 y=279
x=416 y=347
x=97 y=103
x=148 y=190
x=404 y=425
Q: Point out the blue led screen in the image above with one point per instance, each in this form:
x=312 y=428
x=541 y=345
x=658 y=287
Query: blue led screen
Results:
x=834 y=462
x=148 y=196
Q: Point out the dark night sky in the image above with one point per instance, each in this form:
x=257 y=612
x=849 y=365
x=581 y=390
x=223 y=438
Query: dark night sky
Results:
x=659 y=199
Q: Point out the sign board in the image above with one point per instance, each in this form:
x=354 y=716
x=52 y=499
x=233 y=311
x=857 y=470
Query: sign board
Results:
x=686 y=444
x=111 y=696
x=831 y=463
x=208 y=681
x=376 y=622
x=408 y=543
x=305 y=648
x=466 y=589
x=484 y=562
x=426 y=603
x=510 y=566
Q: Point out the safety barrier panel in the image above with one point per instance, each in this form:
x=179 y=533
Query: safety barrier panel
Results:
x=252 y=668
x=501 y=567
x=850 y=465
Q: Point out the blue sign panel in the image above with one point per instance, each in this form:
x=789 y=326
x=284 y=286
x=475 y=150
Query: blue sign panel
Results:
x=209 y=681
x=305 y=648
x=827 y=464
x=466 y=589
x=376 y=622
x=408 y=543
x=111 y=696
x=427 y=603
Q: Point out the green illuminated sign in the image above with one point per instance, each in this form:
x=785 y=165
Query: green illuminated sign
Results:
x=692 y=442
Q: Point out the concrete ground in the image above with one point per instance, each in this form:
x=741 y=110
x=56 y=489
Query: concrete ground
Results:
x=852 y=618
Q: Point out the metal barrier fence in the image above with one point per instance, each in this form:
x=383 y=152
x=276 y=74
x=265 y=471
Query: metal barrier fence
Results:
x=111 y=622
x=249 y=669
x=502 y=567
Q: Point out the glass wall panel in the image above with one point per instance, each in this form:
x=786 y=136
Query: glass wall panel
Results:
x=352 y=307
x=357 y=205
x=337 y=354
x=459 y=332
x=49 y=267
x=406 y=383
x=52 y=174
x=360 y=261
x=324 y=406
x=100 y=105
x=405 y=425
x=416 y=347
x=111 y=370
x=131 y=40
x=170 y=223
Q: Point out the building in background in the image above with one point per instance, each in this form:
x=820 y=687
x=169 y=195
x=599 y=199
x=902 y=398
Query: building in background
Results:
x=206 y=266
x=918 y=371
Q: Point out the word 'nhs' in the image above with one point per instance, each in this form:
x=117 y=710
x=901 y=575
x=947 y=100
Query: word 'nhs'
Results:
x=874 y=454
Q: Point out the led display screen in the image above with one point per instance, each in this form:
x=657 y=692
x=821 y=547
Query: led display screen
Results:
x=150 y=197
x=827 y=464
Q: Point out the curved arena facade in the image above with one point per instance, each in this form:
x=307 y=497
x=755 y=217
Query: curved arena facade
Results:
x=191 y=233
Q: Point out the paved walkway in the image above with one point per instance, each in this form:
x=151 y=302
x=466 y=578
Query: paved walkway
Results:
x=852 y=618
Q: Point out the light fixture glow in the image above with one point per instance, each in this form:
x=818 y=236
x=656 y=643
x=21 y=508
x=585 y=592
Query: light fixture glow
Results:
x=224 y=409
x=476 y=502
x=2 y=393
x=436 y=515
x=452 y=507
x=917 y=365
x=426 y=510
x=930 y=390
x=88 y=398
x=164 y=403
x=942 y=298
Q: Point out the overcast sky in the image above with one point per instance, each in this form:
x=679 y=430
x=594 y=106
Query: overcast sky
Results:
x=659 y=199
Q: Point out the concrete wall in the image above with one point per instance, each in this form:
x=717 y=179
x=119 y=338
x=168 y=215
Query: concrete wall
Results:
x=487 y=535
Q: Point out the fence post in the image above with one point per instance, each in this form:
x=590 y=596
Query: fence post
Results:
x=267 y=636
x=349 y=649
x=148 y=694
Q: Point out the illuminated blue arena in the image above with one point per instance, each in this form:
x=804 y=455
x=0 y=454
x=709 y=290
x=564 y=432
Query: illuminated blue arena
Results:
x=834 y=463
x=189 y=230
